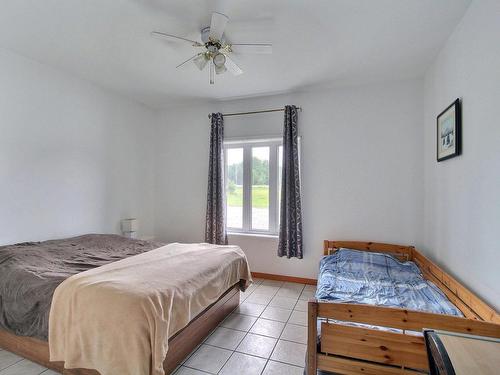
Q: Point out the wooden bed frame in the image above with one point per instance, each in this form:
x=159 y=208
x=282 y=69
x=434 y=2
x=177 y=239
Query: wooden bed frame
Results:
x=180 y=345
x=357 y=350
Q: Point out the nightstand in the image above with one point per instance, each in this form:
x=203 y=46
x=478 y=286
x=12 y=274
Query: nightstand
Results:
x=461 y=354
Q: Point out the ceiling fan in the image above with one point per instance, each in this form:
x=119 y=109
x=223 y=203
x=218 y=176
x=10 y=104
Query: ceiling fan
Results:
x=216 y=49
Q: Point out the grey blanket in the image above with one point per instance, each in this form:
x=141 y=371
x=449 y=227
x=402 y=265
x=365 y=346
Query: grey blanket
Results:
x=31 y=271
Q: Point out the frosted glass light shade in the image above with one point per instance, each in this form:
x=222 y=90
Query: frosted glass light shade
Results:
x=219 y=69
x=200 y=61
x=219 y=60
x=130 y=225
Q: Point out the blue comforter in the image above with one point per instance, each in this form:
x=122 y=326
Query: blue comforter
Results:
x=379 y=279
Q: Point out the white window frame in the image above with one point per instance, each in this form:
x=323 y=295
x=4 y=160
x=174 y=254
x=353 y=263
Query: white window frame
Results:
x=247 y=144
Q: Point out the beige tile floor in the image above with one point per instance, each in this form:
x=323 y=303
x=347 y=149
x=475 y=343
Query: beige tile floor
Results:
x=265 y=335
x=11 y=364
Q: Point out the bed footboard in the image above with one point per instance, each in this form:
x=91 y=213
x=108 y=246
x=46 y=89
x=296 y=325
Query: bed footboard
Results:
x=373 y=345
x=347 y=349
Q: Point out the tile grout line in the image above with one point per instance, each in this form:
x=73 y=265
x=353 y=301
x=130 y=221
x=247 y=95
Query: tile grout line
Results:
x=285 y=323
x=247 y=332
x=281 y=333
x=270 y=354
x=219 y=326
x=15 y=363
x=274 y=348
x=210 y=334
x=260 y=317
x=267 y=360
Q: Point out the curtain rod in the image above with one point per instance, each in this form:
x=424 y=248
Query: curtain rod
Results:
x=254 y=112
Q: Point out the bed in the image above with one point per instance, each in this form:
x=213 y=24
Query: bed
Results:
x=36 y=281
x=372 y=302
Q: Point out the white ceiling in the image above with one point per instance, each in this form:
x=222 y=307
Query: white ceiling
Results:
x=315 y=42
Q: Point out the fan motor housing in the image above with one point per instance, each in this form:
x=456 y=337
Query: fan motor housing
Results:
x=205 y=33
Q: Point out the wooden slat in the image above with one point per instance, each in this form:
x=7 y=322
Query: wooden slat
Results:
x=450 y=286
x=384 y=347
x=312 y=335
x=465 y=309
x=405 y=319
x=326 y=247
x=290 y=279
x=398 y=250
x=349 y=366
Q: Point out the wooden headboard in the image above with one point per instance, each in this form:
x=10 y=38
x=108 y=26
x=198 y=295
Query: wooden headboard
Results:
x=399 y=251
x=470 y=304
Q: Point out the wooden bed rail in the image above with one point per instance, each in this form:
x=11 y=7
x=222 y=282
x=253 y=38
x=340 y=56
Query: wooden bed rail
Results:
x=405 y=319
x=471 y=305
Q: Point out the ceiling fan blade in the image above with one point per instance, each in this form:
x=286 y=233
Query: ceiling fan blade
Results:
x=233 y=67
x=218 y=25
x=160 y=35
x=252 y=48
x=188 y=60
x=211 y=73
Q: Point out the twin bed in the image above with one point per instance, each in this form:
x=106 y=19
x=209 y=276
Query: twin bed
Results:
x=372 y=302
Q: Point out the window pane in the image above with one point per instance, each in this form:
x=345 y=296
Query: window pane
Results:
x=280 y=174
x=234 y=187
x=260 y=188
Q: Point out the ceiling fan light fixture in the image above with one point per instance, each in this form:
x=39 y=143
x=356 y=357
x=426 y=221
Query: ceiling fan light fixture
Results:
x=216 y=50
x=201 y=61
x=219 y=69
x=219 y=60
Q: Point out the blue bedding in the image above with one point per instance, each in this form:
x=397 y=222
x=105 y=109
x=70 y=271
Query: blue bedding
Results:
x=379 y=279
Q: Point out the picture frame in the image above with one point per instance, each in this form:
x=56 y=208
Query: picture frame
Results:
x=449 y=132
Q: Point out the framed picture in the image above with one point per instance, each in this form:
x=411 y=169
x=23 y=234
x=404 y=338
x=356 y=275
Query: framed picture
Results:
x=449 y=132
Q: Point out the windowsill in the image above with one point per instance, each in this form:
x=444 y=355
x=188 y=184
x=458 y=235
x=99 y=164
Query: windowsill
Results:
x=247 y=234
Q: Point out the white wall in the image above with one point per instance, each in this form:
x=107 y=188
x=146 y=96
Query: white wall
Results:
x=361 y=164
x=76 y=159
x=462 y=195
x=369 y=168
x=73 y=158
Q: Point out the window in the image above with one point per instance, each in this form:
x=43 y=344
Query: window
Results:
x=253 y=182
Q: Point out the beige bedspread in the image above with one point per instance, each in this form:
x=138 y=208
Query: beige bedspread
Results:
x=117 y=318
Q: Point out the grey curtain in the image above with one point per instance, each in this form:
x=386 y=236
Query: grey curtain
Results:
x=215 y=228
x=290 y=234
